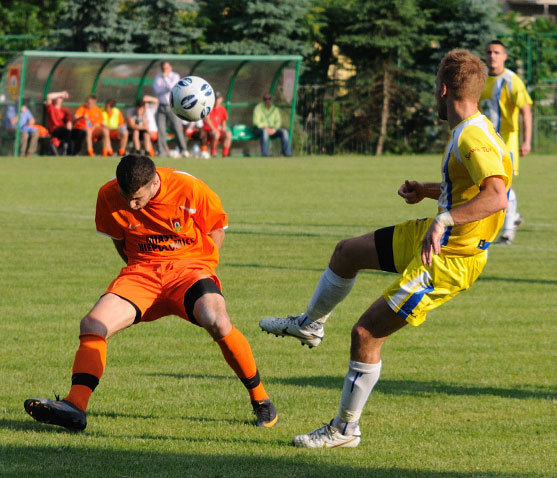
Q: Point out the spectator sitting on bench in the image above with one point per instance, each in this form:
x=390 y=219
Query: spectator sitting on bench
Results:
x=113 y=120
x=194 y=132
x=215 y=127
x=89 y=118
x=28 y=134
x=139 y=126
x=267 y=122
x=66 y=139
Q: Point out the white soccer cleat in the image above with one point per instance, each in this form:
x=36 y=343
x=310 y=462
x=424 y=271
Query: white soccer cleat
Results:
x=309 y=333
x=327 y=437
x=205 y=155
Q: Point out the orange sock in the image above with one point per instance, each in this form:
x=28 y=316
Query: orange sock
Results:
x=151 y=152
x=225 y=150
x=90 y=152
x=203 y=147
x=88 y=367
x=237 y=353
x=121 y=152
x=105 y=152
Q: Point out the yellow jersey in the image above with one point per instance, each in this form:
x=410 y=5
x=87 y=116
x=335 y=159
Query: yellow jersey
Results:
x=501 y=100
x=114 y=120
x=474 y=152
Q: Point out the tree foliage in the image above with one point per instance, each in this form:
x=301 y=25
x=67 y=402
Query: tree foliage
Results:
x=257 y=27
x=87 y=25
x=25 y=24
x=163 y=26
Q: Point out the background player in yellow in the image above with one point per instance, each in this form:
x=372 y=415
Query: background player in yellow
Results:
x=504 y=100
x=435 y=258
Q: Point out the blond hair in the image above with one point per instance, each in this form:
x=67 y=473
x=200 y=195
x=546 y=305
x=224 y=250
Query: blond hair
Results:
x=463 y=73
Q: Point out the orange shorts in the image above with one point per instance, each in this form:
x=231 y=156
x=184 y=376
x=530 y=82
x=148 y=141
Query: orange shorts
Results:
x=158 y=289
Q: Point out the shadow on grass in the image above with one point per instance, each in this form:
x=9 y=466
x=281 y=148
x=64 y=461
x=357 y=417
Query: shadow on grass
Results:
x=416 y=388
x=486 y=278
x=390 y=387
x=39 y=461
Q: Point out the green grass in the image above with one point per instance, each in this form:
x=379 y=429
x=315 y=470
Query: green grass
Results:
x=469 y=393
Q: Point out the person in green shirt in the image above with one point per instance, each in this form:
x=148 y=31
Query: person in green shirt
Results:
x=267 y=122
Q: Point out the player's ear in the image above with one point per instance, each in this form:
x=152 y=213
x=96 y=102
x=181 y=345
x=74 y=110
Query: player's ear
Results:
x=443 y=90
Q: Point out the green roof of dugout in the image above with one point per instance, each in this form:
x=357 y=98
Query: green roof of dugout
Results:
x=127 y=77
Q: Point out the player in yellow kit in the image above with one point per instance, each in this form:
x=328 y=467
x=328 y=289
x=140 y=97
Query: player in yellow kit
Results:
x=504 y=100
x=435 y=258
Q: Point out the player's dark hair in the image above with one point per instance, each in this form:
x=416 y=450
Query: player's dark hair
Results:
x=111 y=102
x=497 y=42
x=133 y=172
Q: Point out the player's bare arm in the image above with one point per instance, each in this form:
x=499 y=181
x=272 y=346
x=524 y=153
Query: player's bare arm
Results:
x=526 y=113
x=413 y=191
x=119 y=244
x=218 y=237
x=491 y=198
x=56 y=94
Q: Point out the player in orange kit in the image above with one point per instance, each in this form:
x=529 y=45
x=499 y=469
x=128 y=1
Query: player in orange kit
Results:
x=168 y=227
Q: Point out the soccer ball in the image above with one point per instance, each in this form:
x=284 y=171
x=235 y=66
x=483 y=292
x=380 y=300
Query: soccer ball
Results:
x=192 y=98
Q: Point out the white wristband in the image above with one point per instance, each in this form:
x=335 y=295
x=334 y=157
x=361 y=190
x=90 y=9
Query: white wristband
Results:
x=445 y=219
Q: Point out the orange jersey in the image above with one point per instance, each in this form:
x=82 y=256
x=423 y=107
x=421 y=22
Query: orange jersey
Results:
x=92 y=117
x=174 y=225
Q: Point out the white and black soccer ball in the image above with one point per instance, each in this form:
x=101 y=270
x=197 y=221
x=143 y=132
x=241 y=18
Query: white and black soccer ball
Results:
x=192 y=98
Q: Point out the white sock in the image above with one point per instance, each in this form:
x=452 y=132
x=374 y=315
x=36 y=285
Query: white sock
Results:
x=358 y=384
x=330 y=290
x=510 y=216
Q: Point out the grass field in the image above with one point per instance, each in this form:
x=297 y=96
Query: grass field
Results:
x=470 y=393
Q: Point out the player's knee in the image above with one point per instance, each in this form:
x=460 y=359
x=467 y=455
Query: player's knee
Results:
x=359 y=334
x=92 y=325
x=342 y=251
x=210 y=313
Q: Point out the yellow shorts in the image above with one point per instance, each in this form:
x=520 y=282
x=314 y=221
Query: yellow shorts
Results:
x=419 y=288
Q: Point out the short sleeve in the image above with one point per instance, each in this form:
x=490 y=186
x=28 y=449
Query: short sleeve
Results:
x=209 y=214
x=104 y=221
x=520 y=94
x=480 y=156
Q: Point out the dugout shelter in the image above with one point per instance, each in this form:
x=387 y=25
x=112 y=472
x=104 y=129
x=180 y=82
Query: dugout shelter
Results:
x=127 y=77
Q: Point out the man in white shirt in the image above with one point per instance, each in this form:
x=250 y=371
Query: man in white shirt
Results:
x=164 y=81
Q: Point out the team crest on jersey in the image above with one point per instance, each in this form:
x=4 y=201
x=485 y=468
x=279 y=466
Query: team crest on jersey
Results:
x=176 y=225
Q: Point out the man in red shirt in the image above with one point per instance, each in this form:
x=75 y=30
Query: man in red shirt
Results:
x=65 y=138
x=215 y=126
x=168 y=227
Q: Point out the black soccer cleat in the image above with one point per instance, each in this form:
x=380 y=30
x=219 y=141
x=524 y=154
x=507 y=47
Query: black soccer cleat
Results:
x=56 y=412
x=265 y=412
